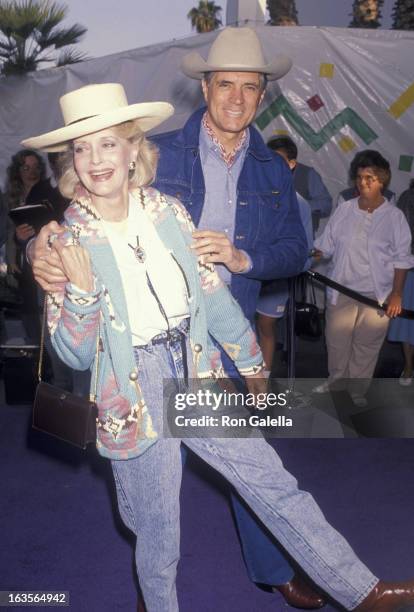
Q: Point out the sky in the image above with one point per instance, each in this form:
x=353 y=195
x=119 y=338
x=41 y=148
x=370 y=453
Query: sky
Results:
x=115 y=26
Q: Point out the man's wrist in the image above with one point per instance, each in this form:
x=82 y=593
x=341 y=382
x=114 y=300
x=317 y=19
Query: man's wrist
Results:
x=244 y=262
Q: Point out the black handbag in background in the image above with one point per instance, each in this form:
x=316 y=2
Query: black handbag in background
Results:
x=64 y=415
x=307 y=319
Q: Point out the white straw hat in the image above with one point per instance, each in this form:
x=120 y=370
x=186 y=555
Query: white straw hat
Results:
x=96 y=107
x=235 y=50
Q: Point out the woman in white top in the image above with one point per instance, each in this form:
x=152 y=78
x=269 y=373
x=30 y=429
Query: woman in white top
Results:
x=368 y=241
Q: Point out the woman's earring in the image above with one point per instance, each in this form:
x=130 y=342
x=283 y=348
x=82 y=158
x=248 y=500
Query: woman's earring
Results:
x=131 y=170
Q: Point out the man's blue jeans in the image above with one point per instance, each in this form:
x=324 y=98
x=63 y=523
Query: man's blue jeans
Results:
x=265 y=562
x=148 y=489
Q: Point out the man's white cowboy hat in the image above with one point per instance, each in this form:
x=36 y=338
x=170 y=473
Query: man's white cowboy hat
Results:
x=96 y=107
x=235 y=50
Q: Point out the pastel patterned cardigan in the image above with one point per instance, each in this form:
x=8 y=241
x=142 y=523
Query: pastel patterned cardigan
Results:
x=124 y=425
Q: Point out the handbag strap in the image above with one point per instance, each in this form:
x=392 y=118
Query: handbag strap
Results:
x=92 y=395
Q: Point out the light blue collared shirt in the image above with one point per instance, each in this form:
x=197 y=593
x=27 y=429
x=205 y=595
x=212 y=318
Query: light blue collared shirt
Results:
x=219 y=210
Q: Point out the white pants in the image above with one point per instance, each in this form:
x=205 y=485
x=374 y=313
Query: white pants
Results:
x=354 y=336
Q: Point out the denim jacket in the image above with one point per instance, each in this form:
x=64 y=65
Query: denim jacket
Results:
x=267 y=226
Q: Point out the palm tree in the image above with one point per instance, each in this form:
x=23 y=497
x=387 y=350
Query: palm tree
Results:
x=366 y=14
x=30 y=32
x=205 y=17
x=282 y=12
x=403 y=15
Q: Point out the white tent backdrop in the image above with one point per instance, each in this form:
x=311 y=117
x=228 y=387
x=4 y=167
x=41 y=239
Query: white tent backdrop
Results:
x=348 y=90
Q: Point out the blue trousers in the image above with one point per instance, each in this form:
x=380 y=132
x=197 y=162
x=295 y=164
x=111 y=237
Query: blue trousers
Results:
x=148 y=489
x=265 y=562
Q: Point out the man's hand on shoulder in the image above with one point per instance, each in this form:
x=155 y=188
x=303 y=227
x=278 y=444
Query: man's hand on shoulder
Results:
x=216 y=247
x=46 y=264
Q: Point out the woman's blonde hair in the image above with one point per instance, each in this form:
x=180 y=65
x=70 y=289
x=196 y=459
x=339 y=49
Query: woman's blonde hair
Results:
x=145 y=163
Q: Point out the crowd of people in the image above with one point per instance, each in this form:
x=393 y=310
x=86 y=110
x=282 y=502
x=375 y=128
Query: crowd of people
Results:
x=169 y=248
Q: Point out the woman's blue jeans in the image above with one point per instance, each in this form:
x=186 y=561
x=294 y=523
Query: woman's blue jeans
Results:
x=148 y=489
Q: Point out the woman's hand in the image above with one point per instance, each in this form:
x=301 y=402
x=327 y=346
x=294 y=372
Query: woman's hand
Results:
x=394 y=306
x=76 y=265
x=46 y=263
x=394 y=299
x=316 y=254
x=24 y=232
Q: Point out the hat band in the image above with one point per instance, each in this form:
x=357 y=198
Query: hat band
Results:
x=81 y=119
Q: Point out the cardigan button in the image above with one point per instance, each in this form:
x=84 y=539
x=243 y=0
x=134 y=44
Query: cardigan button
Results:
x=198 y=348
x=133 y=376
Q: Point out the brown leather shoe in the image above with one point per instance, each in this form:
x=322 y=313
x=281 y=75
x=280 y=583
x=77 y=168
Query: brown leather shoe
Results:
x=299 y=594
x=141 y=606
x=388 y=597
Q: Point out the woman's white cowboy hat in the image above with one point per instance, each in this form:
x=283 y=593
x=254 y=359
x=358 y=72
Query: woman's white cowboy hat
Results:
x=96 y=107
x=235 y=50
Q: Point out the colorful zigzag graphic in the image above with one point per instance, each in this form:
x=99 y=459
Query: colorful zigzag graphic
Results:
x=316 y=140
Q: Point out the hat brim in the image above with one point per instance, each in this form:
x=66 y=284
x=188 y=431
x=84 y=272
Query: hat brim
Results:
x=194 y=66
x=149 y=114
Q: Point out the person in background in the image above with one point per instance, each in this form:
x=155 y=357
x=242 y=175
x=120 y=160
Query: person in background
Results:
x=27 y=184
x=402 y=330
x=26 y=170
x=352 y=192
x=274 y=294
x=307 y=181
x=369 y=243
x=46 y=190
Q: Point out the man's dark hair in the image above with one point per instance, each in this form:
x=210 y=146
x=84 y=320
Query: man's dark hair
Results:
x=262 y=78
x=285 y=144
x=369 y=158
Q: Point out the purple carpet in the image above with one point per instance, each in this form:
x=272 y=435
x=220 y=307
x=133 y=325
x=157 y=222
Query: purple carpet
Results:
x=60 y=529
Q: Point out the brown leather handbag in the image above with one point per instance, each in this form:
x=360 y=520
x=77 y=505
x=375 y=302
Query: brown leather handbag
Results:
x=61 y=414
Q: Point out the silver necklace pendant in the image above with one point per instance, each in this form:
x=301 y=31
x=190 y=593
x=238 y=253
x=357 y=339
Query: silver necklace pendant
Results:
x=139 y=252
